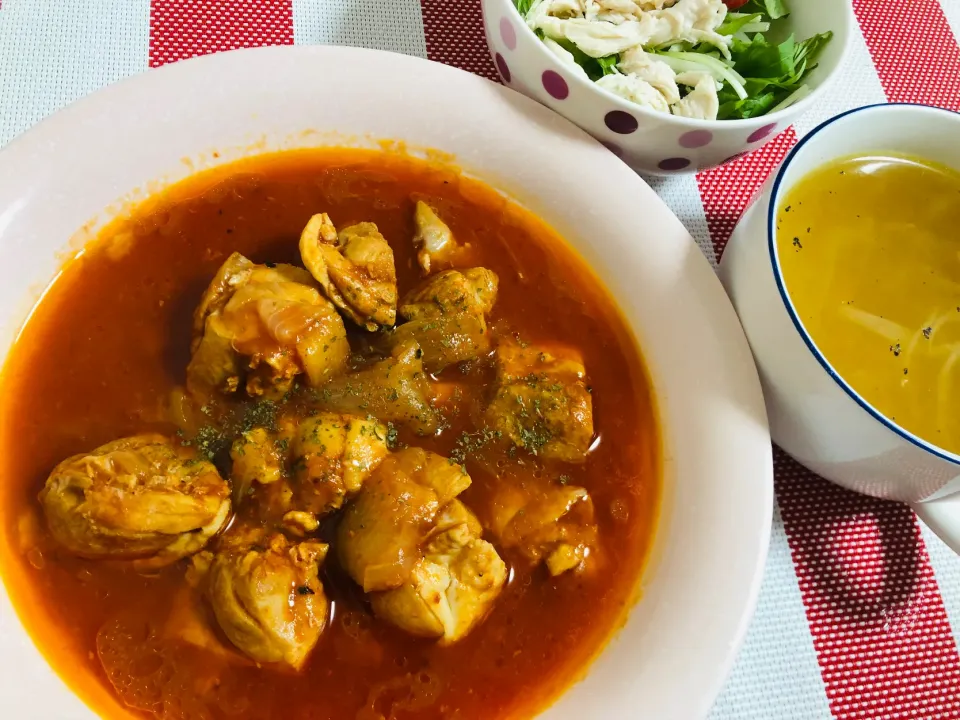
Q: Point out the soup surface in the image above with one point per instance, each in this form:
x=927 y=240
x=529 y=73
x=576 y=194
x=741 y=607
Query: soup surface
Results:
x=870 y=256
x=105 y=354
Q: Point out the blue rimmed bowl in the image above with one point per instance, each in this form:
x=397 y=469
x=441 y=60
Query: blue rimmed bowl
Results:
x=815 y=414
x=650 y=141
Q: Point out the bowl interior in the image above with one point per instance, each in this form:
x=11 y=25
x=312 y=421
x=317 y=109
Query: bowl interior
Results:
x=698 y=592
x=913 y=130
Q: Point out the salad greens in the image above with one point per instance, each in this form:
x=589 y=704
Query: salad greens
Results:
x=773 y=74
x=595 y=68
x=773 y=9
x=755 y=74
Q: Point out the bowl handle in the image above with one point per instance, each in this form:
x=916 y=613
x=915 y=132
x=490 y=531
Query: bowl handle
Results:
x=943 y=517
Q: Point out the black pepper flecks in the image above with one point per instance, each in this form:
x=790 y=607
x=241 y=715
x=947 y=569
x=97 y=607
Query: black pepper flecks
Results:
x=796 y=243
x=895 y=349
x=927 y=332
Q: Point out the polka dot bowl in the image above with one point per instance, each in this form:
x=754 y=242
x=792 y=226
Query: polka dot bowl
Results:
x=647 y=140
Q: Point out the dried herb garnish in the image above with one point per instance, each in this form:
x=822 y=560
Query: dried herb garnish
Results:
x=535 y=437
x=210 y=441
x=470 y=443
x=392 y=440
x=262 y=413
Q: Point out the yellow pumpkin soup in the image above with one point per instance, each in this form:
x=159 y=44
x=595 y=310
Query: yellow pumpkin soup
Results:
x=869 y=250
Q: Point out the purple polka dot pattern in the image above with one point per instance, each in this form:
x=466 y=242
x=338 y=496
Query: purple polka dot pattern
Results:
x=671 y=164
x=503 y=67
x=554 y=84
x=621 y=122
x=614 y=148
x=508 y=34
x=761 y=133
x=696 y=139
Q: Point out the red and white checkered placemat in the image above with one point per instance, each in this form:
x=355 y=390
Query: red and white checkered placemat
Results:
x=859 y=614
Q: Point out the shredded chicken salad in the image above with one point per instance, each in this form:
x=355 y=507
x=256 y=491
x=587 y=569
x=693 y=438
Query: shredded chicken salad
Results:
x=691 y=58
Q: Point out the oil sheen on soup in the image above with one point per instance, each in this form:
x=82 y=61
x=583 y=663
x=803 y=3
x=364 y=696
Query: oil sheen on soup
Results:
x=325 y=434
x=870 y=256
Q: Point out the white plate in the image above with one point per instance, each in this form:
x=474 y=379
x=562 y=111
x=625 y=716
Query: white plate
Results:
x=699 y=590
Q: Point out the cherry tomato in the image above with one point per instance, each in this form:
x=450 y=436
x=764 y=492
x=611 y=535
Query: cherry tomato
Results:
x=734 y=4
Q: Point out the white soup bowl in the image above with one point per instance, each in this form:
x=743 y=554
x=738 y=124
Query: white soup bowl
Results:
x=694 y=601
x=815 y=415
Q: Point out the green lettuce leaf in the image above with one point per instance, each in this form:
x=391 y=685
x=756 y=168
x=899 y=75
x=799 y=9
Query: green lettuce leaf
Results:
x=523 y=6
x=595 y=68
x=810 y=48
x=733 y=108
x=731 y=26
x=772 y=73
x=759 y=59
x=608 y=64
x=773 y=9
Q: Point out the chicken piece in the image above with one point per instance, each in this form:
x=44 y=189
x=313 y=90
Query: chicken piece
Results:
x=234 y=273
x=636 y=90
x=436 y=246
x=646 y=5
x=566 y=20
x=453 y=587
x=612 y=11
x=617 y=11
x=329 y=454
x=264 y=325
x=544 y=521
x=274 y=502
x=267 y=597
x=382 y=530
x=333 y=455
x=637 y=63
x=144 y=498
x=690 y=21
x=565 y=56
x=602 y=39
x=601 y=28
x=447 y=316
x=701 y=103
x=452 y=292
x=256 y=457
x=690 y=78
x=355 y=269
x=559 y=8
x=189 y=622
x=592 y=37
x=542 y=402
x=394 y=390
x=214 y=365
x=300 y=523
